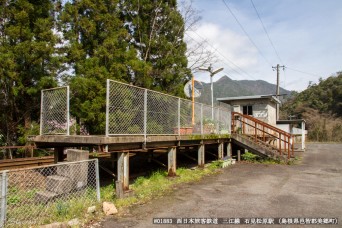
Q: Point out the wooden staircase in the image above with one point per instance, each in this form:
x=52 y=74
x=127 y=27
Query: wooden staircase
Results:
x=261 y=138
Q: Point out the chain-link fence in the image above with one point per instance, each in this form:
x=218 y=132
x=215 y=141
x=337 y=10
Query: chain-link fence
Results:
x=47 y=194
x=133 y=110
x=54 y=111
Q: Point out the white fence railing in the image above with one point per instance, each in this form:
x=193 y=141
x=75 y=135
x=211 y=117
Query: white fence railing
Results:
x=54 y=111
x=133 y=110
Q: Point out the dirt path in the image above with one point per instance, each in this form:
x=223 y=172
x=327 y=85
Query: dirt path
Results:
x=312 y=189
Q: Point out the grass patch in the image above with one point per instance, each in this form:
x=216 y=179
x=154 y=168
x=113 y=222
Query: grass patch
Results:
x=253 y=158
x=25 y=212
x=158 y=184
x=209 y=136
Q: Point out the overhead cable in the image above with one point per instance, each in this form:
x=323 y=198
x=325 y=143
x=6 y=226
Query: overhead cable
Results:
x=263 y=26
x=243 y=29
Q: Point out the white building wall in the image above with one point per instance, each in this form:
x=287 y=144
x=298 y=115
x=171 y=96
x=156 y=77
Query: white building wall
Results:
x=284 y=127
x=272 y=114
x=263 y=109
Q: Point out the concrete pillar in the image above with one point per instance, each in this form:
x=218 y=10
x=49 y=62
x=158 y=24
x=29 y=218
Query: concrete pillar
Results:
x=171 y=164
x=229 y=150
x=201 y=151
x=239 y=155
x=303 y=135
x=77 y=155
x=58 y=154
x=122 y=183
x=220 y=150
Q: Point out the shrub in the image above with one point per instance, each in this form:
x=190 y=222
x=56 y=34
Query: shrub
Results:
x=249 y=156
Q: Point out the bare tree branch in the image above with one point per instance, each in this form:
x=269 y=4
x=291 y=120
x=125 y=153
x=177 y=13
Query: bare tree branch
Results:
x=198 y=52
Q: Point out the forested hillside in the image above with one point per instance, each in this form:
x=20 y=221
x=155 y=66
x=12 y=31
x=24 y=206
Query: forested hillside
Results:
x=321 y=106
x=226 y=87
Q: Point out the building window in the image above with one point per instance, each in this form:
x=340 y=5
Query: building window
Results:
x=247 y=110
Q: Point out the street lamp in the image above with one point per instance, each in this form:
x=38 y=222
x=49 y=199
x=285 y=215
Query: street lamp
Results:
x=212 y=73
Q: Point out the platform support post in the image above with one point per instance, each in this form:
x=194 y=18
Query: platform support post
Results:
x=122 y=184
x=220 y=150
x=239 y=155
x=58 y=154
x=229 y=150
x=303 y=135
x=171 y=165
x=201 y=151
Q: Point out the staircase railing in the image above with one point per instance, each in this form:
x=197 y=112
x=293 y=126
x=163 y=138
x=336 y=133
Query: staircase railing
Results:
x=262 y=132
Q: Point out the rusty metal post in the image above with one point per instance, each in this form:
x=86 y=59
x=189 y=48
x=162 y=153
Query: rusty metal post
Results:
x=171 y=165
x=285 y=144
x=288 y=146
x=220 y=150
x=292 y=142
x=123 y=173
x=280 y=143
x=201 y=157
x=255 y=131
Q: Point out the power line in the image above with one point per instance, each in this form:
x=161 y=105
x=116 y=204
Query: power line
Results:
x=263 y=26
x=214 y=50
x=303 y=72
x=243 y=29
x=220 y=53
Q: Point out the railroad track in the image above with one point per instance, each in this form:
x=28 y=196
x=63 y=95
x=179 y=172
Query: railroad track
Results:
x=37 y=161
x=25 y=162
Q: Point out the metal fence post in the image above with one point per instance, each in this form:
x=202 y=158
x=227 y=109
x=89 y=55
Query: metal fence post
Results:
x=41 y=112
x=145 y=114
x=218 y=120
x=98 y=194
x=201 y=119
x=107 y=108
x=179 y=115
x=68 y=111
x=3 y=198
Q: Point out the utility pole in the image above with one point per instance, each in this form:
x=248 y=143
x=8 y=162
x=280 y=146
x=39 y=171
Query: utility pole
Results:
x=277 y=92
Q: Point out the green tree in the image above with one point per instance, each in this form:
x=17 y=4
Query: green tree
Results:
x=98 y=48
x=29 y=61
x=321 y=105
x=157 y=29
x=121 y=40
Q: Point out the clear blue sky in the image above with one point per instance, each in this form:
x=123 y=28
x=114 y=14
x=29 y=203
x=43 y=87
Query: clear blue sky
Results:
x=307 y=35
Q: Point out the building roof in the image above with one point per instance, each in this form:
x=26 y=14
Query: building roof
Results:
x=290 y=121
x=254 y=97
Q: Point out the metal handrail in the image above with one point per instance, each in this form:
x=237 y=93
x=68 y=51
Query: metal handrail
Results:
x=280 y=135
